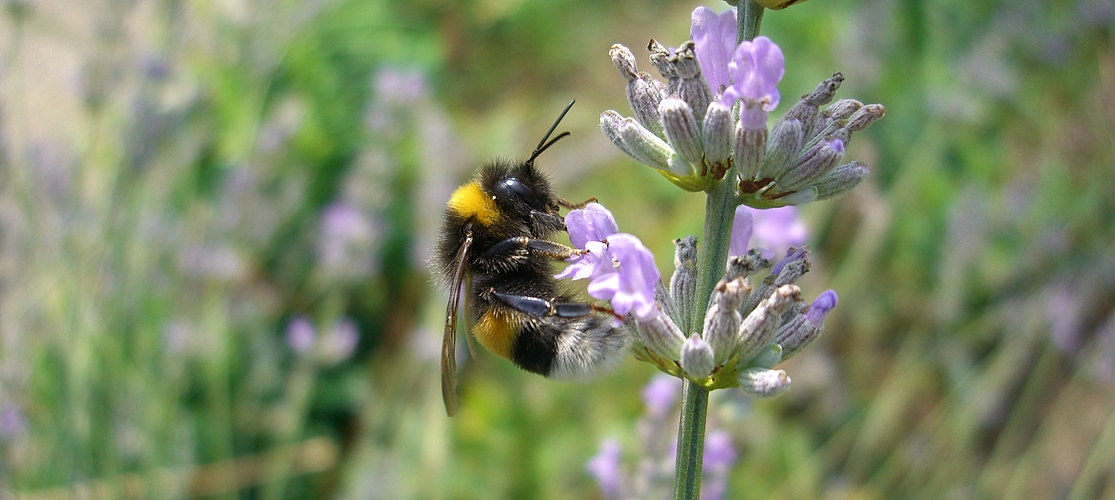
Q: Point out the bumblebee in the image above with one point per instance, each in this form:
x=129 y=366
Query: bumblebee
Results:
x=495 y=250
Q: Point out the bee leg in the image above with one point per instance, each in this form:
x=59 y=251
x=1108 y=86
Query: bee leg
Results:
x=574 y=206
x=541 y=308
x=545 y=222
x=518 y=246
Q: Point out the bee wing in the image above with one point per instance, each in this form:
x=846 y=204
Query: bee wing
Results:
x=449 y=340
x=468 y=318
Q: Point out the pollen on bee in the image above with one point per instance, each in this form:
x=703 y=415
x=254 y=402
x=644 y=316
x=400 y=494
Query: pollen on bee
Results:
x=469 y=201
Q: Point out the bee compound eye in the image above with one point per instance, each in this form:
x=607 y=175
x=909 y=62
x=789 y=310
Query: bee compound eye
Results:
x=515 y=187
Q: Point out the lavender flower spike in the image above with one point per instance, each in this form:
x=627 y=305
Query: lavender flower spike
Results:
x=756 y=69
x=715 y=37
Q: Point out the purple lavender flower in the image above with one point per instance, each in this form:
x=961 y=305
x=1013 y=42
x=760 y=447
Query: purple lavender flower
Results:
x=588 y=228
x=605 y=468
x=715 y=38
x=821 y=307
x=660 y=394
x=300 y=335
x=631 y=286
x=621 y=269
x=740 y=238
x=776 y=229
x=590 y=265
x=592 y=223
x=756 y=69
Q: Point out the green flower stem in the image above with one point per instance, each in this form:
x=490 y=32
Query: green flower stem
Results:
x=691 y=442
x=749 y=17
x=712 y=254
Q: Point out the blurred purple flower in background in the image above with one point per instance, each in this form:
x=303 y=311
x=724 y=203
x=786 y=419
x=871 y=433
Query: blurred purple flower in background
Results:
x=657 y=451
x=772 y=230
x=715 y=39
x=347 y=239
x=719 y=456
x=399 y=86
x=300 y=335
x=660 y=394
x=605 y=468
x=340 y=342
x=12 y=422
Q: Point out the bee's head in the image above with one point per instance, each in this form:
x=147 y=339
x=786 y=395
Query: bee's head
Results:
x=519 y=189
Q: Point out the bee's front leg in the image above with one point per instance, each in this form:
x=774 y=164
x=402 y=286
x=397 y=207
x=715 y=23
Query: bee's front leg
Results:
x=541 y=308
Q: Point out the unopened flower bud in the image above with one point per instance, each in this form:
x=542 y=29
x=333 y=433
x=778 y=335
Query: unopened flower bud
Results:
x=865 y=116
x=791 y=267
x=718 y=131
x=722 y=320
x=842 y=109
x=645 y=94
x=660 y=58
x=624 y=60
x=807 y=109
x=750 y=154
x=841 y=180
x=785 y=142
x=683 y=283
x=814 y=164
x=745 y=265
x=665 y=301
x=693 y=89
x=759 y=327
x=640 y=143
x=764 y=383
x=805 y=328
x=786 y=271
x=661 y=336
x=697 y=357
x=681 y=130
x=610 y=123
x=767 y=357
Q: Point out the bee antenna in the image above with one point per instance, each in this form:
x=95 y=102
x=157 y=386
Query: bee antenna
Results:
x=543 y=144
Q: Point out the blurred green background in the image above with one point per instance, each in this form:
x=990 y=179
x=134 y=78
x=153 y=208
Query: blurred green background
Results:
x=215 y=217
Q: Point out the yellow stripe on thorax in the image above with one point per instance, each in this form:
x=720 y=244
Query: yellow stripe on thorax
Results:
x=470 y=201
x=497 y=332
